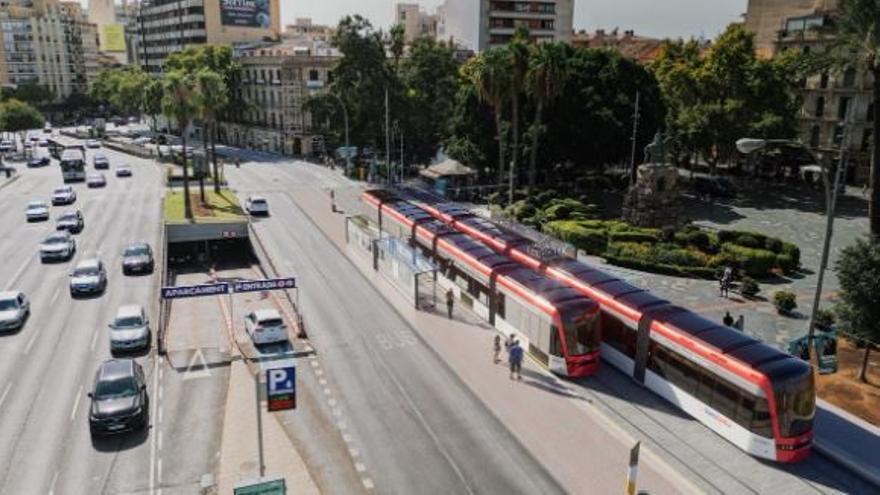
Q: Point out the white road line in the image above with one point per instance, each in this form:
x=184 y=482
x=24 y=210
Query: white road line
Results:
x=319 y=372
x=368 y=483
x=55 y=295
x=19 y=272
x=54 y=481
x=322 y=381
x=160 y=416
x=340 y=423
x=159 y=471
x=76 y=402
x=5 y=393
x=94 y=339
x=359 y=467
x=159 y=441
x=30 y=344
x=346 y=438
x=327 y=391
x=353 y=452
x=332 y=402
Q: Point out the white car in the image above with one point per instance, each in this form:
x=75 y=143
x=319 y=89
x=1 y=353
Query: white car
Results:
x=57 y=246
x=130 y=329
x=123 y=171
x=64 y=195
x=257 y=205
x=100 y=161
x=14 y=310
x=265 y=326
x=37 y=210
x=6 y=146
x=96 y=180
x=88 y=277
x=42 y=143
x=142 y=140
x=93 y=143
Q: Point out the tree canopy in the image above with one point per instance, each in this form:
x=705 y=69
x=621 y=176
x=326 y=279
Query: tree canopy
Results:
x=858 y=270
x=18 y=116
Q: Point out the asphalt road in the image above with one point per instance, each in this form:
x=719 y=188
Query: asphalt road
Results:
x=47 y=368
x=419 y=428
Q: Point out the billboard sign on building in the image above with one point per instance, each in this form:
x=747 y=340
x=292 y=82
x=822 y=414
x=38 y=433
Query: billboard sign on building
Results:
x=246 y=13
x=112 y=38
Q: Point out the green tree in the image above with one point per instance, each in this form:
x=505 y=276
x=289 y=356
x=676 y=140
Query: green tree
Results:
x=545 y=79
x=219 y=59
x=858 y=40
x=18 y=117
x=179 y=103
x=858 y=270
x=211 y=100
x=153 y=100
x=490 y=74
x=122 y=90
x=36 y=95
x=519 y=65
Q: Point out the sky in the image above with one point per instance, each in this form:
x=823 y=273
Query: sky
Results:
x=655 y=18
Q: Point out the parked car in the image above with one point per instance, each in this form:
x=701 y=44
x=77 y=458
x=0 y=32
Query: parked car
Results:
x=130 y=329
x=119 y=400
x=717 y=187
x=39 y=161
x=14 y=310
x=93 y=143
x=71 y=221
x=43 y=143
x=137 y=258
x=100 y=162
x=123 y=171
x=57 y=246
x=63 y=195
x=6 y=146
x=257 y=205
x=96 y=180
x=89 y=277
x=37 y=210
x=265 y=326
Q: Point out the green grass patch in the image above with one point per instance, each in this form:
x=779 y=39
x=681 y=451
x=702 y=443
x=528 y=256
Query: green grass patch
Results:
x=218 y=207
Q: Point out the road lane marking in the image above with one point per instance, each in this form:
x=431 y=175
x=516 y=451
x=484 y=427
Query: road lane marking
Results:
x=76 y=402
x=5 y=393
x=159 y=472
x=55 y=295
x=359 y=467
x=18 y=273
x=159 y=441
x=30 y=344
x=368 y=483
x=94 y=339
x=54 y=481
x=346 y=438
x=353 y=452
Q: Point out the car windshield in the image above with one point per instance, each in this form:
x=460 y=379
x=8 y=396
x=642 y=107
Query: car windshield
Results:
x=7 y=304
x=259 y=202
x=36 y=206
x=60 y=190
x=127 y=322
x=272 y=322
x=56 y=239
x=135 y=250
x=84 y=271
x=796 y=405
x=122 y=387
x=68 y=216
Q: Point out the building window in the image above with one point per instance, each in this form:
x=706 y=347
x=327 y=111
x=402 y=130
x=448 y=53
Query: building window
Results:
x=849 y=78
x=820 y=106
x=843 y=107
x=814 y=136
x=313 y=75
x=823 y=82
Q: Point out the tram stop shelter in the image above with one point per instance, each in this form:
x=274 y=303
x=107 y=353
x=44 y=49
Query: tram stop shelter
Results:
x=449 y=178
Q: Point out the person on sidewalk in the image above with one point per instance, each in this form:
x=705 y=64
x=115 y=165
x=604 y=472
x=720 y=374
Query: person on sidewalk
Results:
x=450 y=301
x=728 y=320
x=515 y=358
x=237 y=162
x=508 y=343
x=740 y=323
x=332 y=200
x=497 y=349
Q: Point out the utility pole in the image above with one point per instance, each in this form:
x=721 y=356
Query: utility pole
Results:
x=259 y=425
x=632 y=158
x=401 y=156
x=831 y=204
x=387 y=140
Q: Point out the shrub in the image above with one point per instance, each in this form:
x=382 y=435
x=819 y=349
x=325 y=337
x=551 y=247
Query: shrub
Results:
x=591 y=241
x=632 y=236
x=680 y=238
x=773 y=244
x=668 y=234
x=633 y=250
x=793 y=251
x=825 y=318
x=521 y=210
x=749 y=241
x=496 y=198
x=544 y=197
x=785 y=263
x=678 y=271
x=565 y=209
x=785 y=302
x=749 y=287
x=669 y=254
x=755 y=262
x=698 y=239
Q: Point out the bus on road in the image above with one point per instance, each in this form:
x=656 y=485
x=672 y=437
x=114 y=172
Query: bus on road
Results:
x=73 y=164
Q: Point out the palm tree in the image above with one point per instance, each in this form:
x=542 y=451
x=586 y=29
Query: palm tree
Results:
x=858 y=38
x=545 y=80
x=179 y=104
x=490 y=75
x=212 y=99
x=519 y=64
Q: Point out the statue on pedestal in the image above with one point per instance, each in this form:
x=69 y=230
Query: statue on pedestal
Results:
x=653 y=200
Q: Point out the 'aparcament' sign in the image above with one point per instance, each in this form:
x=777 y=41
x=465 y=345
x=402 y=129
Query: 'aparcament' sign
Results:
x=195 y=290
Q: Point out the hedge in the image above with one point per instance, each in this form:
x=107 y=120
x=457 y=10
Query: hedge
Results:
x=631 y=236
x=793 y=251
x=755 y=262
x=663 y=269
x=591 y=241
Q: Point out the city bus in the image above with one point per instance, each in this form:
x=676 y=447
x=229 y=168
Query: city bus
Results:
x=73 y=164
x=55 y=148
x=755 y=396
x=557 y=325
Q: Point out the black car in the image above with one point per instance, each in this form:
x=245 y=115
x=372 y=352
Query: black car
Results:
x=71 y=221
x=119 y=398
x=714 y=187
x=39 y=161
x=137 y=258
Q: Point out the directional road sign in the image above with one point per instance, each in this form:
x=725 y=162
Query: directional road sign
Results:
x=281 y=388
x=195 y=290
x=265 y=284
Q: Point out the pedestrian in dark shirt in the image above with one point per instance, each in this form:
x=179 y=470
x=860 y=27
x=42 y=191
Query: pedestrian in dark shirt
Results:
x=450 y=301
x=728 y=319
x=515 y=358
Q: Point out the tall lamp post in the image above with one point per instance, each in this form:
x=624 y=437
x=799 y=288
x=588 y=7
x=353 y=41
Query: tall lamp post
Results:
x=748 y=146
x=347 y=149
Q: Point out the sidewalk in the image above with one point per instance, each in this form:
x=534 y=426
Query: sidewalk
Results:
x=545 y=414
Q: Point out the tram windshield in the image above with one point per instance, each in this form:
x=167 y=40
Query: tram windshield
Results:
x=796 y=405
x=582 y=333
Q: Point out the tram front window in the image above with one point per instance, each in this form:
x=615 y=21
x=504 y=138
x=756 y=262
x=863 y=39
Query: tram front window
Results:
x=582 y=333
x=796 y=405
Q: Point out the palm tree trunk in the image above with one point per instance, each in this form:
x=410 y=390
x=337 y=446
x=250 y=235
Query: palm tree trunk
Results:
x=187 y=204
x=863 y=372
x=874 y=205
x=533 y=155
x=214 y=127
x=499 y=127
x=514 y=157
x=205 y=164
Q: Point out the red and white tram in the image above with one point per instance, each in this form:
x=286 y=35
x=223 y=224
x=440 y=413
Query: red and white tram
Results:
x=556 y=324
x=757 y=397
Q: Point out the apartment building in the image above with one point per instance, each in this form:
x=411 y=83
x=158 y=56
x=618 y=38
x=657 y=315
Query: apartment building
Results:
x=50 y=43
x=168 y=26
x=415 y=21
x=481 y=24
x=277 y=79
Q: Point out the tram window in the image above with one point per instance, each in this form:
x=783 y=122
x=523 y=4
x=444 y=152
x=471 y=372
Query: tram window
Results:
x=746 y=410
x=555 y=342
x=499 y=305
x=761 y=424
x=690 y=375
x=726 y=398
x=657 y=360
x=707 y=384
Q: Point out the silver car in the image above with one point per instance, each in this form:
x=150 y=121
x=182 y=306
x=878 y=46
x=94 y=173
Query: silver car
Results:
x=89 y=277
x=130 y=329
x=64 y=195
x=14 y=310
x=57 y=246
x=37 y=210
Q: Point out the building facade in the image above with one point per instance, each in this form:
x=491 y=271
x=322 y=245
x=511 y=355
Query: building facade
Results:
x=481 y=24
x=277 y=79
x=831 y=98
x=48 y=43
x=639 y=48
x=765 y=18
x=167 y=26
x=415 y=21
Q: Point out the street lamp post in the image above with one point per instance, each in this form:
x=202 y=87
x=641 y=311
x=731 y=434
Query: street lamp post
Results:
x=347 y=149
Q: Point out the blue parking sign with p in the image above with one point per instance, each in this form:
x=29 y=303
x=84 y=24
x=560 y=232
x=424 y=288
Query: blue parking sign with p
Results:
x=281 y=388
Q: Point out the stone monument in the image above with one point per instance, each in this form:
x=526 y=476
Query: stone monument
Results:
x=653 y=200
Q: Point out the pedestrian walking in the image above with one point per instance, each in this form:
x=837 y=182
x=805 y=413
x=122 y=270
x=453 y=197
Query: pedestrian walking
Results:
x=740 y=323
x=496 y=347
x=332 y=200
x=450 y=301
x=515 y=358
x=726 y=279
x=508 y=343
x=728 y=320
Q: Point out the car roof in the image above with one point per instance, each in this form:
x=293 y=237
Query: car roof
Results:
x=69 y=213
x=116 y=368
x=137 y=244
x=129 y=310
x=63 y=234
x=37 y=203
x=8 y=294
x=267 y=314
x=88 y=263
